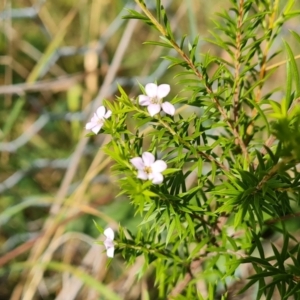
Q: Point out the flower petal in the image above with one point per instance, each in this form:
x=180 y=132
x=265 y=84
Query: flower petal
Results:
x=168 y=108
x=109 y=245
x=110 y=251
x=148 y=159
x=157 y=178
x=151 y=90
x=97 y=128
x=90 y=125
x=100 y=112
x=138 y=163
x=153 y=109
x=109 y=233
x=142 y=175
x=163 y=90
x=158 y=166
x=95 y=118
x=108 y=114
x=144 y=100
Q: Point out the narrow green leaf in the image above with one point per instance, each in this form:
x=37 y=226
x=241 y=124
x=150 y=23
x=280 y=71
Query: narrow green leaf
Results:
x=296 y=36
x=257 y=243
x=191 y=224
x=12 y=117
x=170 y=230
x=233 y=243
x=158 y=10
x=271 y=292
x=213 y=171
x=292 y=75
x=155 y=43
x=238 y=217
x=99 y=228
x=278 y=256
x=293 y=291
x=261 y=113
x=182 y=41
x=135 y=15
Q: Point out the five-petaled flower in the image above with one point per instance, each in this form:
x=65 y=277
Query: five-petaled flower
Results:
x=153 y=99
x=109 y=242
x=148 y=168
x=98 y=119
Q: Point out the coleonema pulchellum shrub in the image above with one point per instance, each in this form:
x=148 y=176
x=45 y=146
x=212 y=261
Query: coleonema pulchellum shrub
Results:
x=214 y=169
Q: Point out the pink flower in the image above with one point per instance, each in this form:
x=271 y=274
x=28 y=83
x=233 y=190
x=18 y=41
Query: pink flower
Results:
x=153 y=99
x=98 y=119
x=148 y=168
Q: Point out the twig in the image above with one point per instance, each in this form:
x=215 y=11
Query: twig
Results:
x=263 y=71
x=272 y=172
x=283 y=218
x=237 y=64
x=188 y=146
x=181 y=285
x=209 y=90
x=263 y=68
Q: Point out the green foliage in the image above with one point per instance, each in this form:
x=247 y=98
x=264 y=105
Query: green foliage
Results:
x=231 y=176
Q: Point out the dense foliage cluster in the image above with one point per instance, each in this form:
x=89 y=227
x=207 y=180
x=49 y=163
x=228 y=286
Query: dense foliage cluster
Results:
x=232 y=176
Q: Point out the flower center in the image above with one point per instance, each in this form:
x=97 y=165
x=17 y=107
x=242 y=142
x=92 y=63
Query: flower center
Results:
x=148 y=170
x=100 y=121
x=155 y=100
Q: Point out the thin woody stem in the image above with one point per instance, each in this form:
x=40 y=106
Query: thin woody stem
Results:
x=238 y=63
x=187 y=145
x=208 y=87
x=283 y=218
x=263 y=68
x=274 y=170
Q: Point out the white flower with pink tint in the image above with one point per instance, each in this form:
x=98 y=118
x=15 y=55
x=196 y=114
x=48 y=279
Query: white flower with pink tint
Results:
x=98 y=119
x=148 y=168
x=109 y=242
x=153 y=99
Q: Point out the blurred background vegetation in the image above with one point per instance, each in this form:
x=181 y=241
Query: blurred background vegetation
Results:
x=58 y=60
